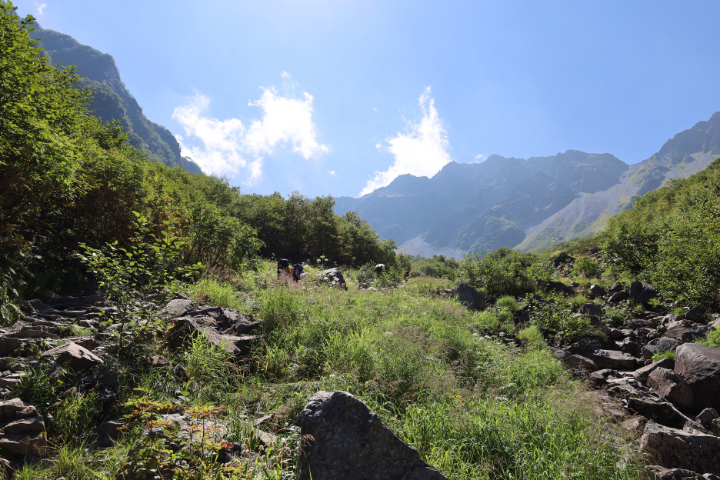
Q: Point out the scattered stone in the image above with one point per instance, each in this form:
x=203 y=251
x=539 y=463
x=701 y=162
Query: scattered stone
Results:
x=467 y=295
x=22 y=431
x=108 y=378
x=619 y=297
x=559 y=287
x=342 y=438
x=706 y=417
x=580 y=362
x=73 y=356
x=649 y=351
x=597 y=290
x=667 y=344
x=585 y=346
x=657 y=472
x=676 y=329
x=641 y=292
x=699 y=366
x=87 y=342
x=674 y=448
x=642 y=373
x=695 y=314
x=590 y=309
x=695 y=334
x=334 y=275
x=670 y=385
x=561 y=259
x=615 y=360
x=109 y=431
x=599 y=378
x=154 y=361
x=89 y=324
x=617 y=287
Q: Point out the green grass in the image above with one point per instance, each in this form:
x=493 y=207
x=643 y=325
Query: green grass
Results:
x=662 y=356
x=474 y=408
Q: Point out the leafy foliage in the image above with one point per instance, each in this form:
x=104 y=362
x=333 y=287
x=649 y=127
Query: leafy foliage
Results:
x=671 y=238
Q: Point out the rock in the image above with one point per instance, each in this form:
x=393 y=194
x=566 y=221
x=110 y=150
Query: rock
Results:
x=619 y=297
x=599 y=378
x=87 y=342
x=615 y=360
x=89 y=324
x=642 y=373
x=467 y=295
x=590 y=309
x=342 y=438
x=580 y=362
x=73 y=356
x=597 y=290
x=676 y=329
x=617 y=287
x=673 y=448
x=670 y=385
x=28 y=425
x=561 y=259
x=178 y=306
x=706 y=417
x=186 y=328
x=615 y=334
x=22 y=444
x=8 y=345
x=649 y=351
x=15 y=408
x=154 y=361
x=585 y=346
x=641 y=292
x=334 y=274
x=108 y=431
x=667 y=344
x=699 y=366
x=658 y=410
x=657 y=472
x=107 y=378
x=629 y=345
x=695 y=314
x=559 y=287
x=695 y=334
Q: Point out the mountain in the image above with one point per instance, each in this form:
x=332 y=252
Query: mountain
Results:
x=687 y=153
x=112 y=100
x=527 y=204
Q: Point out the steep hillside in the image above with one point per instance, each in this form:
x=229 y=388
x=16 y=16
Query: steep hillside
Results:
x=685 y=154
x=112 y=100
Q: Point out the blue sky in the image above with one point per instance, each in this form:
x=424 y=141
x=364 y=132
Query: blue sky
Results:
x=339 y=97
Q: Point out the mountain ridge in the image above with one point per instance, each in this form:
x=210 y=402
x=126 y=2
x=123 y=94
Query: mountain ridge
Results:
x=464 y=207
x=112 y=100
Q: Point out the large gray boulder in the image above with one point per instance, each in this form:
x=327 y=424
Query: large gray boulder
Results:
x=699 y=366
x=467 y=295
x=673 y=448
x=642 y=292
x=670 y=385
x=614 y=359
x=73 y=356
x=343 y=439
x=334 y=275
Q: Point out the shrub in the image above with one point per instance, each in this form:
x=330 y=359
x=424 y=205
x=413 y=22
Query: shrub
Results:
x=587 y=267
x=533 y=336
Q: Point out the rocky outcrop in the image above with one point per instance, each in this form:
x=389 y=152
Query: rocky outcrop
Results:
x=22 y=431
x=334 y=276
x=343 y=439
x=674 y=448
x=699 y=366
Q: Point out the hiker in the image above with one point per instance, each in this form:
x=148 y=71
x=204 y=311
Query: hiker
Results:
x=283 y=267
x=297 y=271
x=379 y=268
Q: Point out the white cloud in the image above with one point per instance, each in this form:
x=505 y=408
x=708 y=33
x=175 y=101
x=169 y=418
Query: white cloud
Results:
x=422 y=151
x=286 y=75
x=228 y=146
x=40 y=8
x=375 y=109
x=480 y=158
x=332 y=173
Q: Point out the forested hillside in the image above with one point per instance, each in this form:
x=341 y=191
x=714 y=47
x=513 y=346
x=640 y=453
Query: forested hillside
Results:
x=111 y=99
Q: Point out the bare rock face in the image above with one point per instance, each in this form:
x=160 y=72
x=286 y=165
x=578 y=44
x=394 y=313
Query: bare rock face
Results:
x=343 y=439
x=699 y=366
x=671 y=386
x=673 y=448
x=73 y=356
x=22 y=430
x=334 y=274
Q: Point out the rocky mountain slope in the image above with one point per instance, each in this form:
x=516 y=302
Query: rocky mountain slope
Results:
x=112 y=100
x=529 y=204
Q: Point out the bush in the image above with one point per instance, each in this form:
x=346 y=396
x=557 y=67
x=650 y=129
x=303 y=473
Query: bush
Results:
x=533 y=336
x=587 y=267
